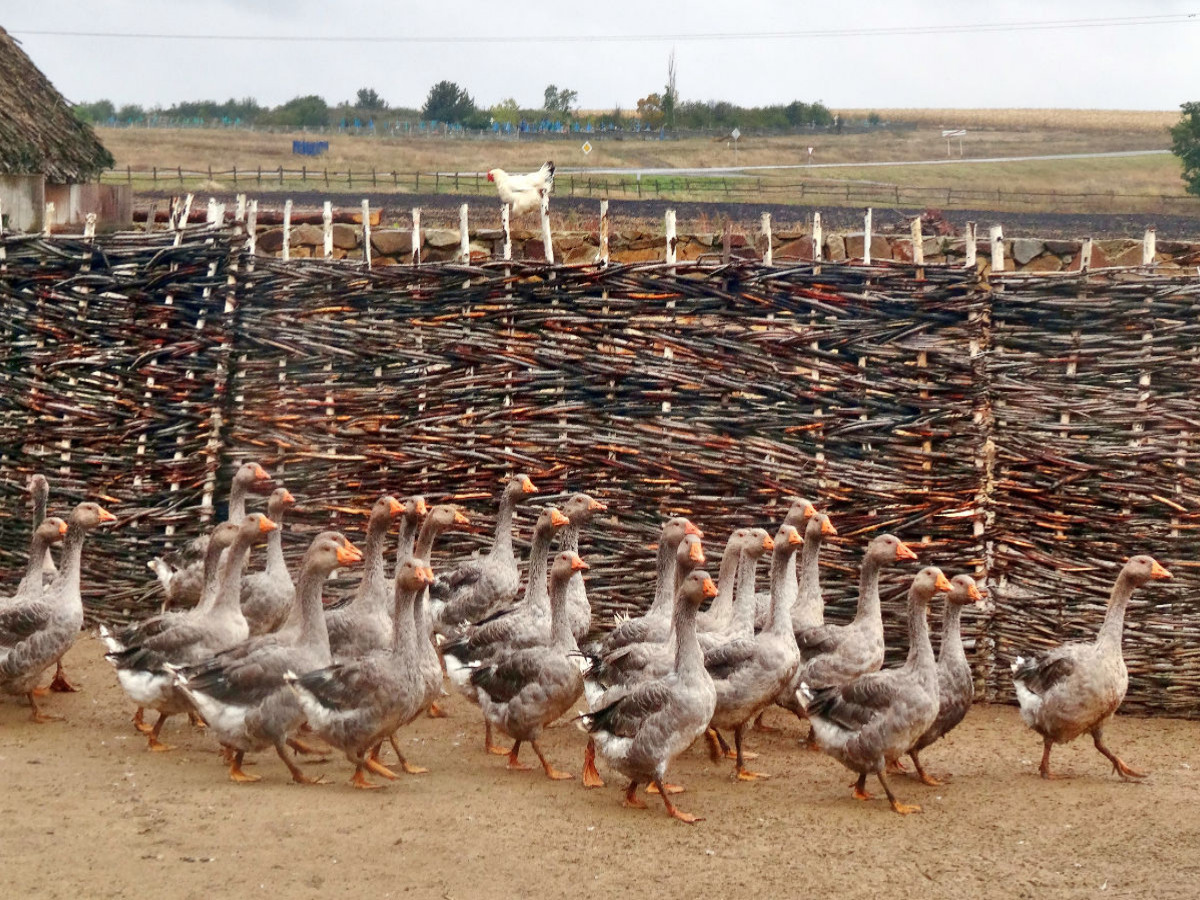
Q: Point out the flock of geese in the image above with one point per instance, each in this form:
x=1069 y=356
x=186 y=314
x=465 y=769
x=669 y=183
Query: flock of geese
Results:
x=258 y=660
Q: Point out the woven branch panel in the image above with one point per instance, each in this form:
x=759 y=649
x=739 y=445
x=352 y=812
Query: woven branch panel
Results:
x=930 y=407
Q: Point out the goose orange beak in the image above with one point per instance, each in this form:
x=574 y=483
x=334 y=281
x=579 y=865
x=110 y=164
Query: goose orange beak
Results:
x=557 y=519
x=597 y=506
x=809 y=511
x=904 y=552
x=420 y=506
x=527 y=486
x=287 y=497
x=578 y=565
x=426 y=575
x=62 y=527
x=696 y=553
x=974 y=593
x=827 y=527
x=106 y=516
x=460 y=518
x=794 y=538
x=768 y=544
x=348 y=554
x=260 y=473
x=710 y=589
x=395 y=507
x=266 y=525
x=943 y=583
x=1157 y=571
x=689 y=528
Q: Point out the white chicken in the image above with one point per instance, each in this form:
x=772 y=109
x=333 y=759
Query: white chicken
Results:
x=523 y=193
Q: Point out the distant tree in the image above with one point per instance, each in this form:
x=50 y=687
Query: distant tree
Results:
x=874 y=119
x=100 y=111
x=130 y=112
x=671 y=93
x=447 y=102
x=1185 y=143
x=506 y=110
x=558 y=101
x=309 y=111
x=368 y=99
x=650 y=110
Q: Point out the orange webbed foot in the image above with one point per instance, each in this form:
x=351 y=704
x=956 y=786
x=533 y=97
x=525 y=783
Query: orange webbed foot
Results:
x=905 y=809
x=671 y=788
x=747 y=775
x=359 y=780
x=60 y=684
x=380 y=769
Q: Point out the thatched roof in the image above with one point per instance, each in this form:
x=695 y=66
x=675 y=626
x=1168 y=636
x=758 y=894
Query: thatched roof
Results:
x=38 y=131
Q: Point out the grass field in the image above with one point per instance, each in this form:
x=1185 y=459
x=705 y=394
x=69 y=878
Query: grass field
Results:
x=362 y=161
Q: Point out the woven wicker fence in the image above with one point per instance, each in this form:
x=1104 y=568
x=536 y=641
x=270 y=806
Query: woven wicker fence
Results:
x=1035 y=429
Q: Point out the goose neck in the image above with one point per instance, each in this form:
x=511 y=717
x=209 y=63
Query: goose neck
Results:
x=868 y=591
x=664 y=584
x=688 y=657
x=1113 y=629
x=952 y=645
x=313 y=632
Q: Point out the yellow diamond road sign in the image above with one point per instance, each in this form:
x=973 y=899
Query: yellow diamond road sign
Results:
x=586 y=148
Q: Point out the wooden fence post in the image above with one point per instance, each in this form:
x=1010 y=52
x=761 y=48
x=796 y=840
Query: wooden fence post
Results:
x=1148 y=247
x=547 y=243
x=366 y=216
x=416 y=236
x=464 y=235
x=997 y=240
x=327 y=228
x=506 y=228
x=768 y=250
x=252 y=227
x=669 y=225
x=286 y=252
x=866 y=257
x=604 y=255
x=969 y=247
x=1085 y=255
x=89 y=227
x=240 y=215
x=918 y=247
x=818 y=238
x=727 y=242
x=47 y=218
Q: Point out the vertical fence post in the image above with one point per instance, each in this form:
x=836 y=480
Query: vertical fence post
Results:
x=464 y=236
x=997 y=241
x=506 y=230
x=918 y=247
x=286 y=252
x=240 y=215
x=969 y=247
x=47 y=218
x=866 y=257
x=768 y=250
x=89 y=228
x=416 y=236
x=547 y=243
x=603 y=256
x=252 y=227
x=1148 y=248
x=1085 y=255
x=818 y=242
x=366 y=216
x=672 y=241
x=727 y=242
x=327 y=228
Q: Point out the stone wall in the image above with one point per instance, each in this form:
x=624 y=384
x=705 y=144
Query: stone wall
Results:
x=394 y=246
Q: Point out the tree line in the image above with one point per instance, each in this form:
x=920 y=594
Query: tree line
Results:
x=449 y=103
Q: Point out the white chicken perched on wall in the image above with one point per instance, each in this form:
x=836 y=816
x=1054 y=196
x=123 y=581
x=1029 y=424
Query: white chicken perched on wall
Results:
x=523 y=193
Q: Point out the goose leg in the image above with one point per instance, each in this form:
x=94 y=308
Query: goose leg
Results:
x=728 y=752
x=1119 y=766
x=305 y=748
x=488 y=742
x=359 y=779
x=739 y=770
x=436 y=712
x=409 y=768
x=925 y=777
x=42 y=717
x=139 y=721
x=60 y=684
x=671 y=788
x=235 y=770
x=155 y=744
x=299 y=777
x=632 y=801
x=672 y=811
x=513 y=764
x=715 y=753
x=895 y=767
x=379 y=768
x=761 y=726
x=552 y=773
x=1044 y=768
x=903 y=808
x=860 y=788
x=591 y=775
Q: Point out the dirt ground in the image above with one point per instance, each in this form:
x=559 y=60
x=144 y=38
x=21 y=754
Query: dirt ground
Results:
x=88 y=812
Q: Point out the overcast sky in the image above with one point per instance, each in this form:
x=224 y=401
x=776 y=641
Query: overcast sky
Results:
x=1125 y=66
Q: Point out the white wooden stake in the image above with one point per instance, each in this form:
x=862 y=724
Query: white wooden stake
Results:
x=464 y=235
x=252 y=227
x=366 y=214
x=416 y=236
x=89 y=228
x=506 y=227
x=969 y=247
x=1148 y=249
x=184 y=216
x=547 y=243
x=327 y=228
x=1085 y=255
x=286 y=253
x=672 y=241
x=768 y=250
x=918 y=242
x=818 y=237
x=997 y=238
x=604 y=255
x=867 y=237
x=48 y=220
x=240 y=215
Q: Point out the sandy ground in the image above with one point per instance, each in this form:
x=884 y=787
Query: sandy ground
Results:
x=88 y=812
